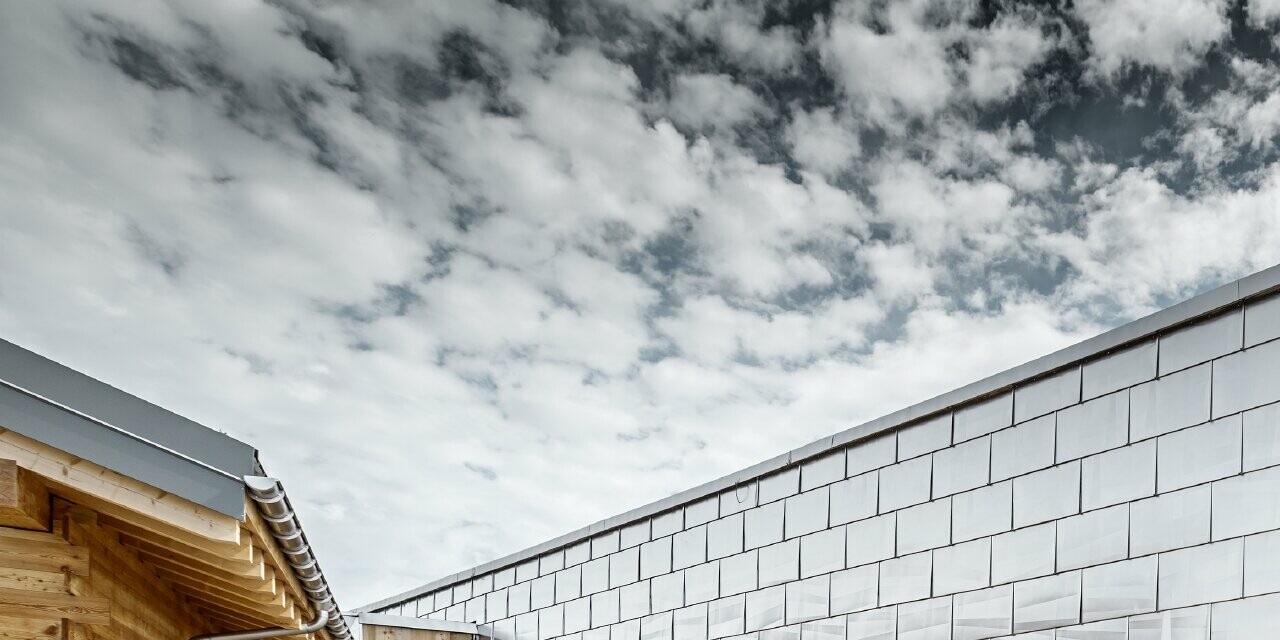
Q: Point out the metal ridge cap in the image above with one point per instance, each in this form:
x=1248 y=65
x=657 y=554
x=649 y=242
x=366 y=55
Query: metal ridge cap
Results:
x=1248 y=287
x=410 y=622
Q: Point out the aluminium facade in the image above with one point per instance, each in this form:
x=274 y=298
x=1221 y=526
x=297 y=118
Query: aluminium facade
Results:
x=1125 y=487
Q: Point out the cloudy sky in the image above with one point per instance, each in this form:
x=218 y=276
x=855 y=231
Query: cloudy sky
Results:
x=474 y=274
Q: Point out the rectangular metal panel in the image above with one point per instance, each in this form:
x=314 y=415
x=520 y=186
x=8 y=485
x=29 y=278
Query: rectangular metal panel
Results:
x=517 y=597
x=690 y=623
x=550 y=563
x=702 y=582
x=779 y=485
x=962 y=467
x=906 y=578
x=665 y=524
x=1175 y=624
x=595 y=575
x=827 y=629
x=876 y=624
x=1022 y=449
x=655 y=557
x=1046 y=495
x=982 y=512
x=983 y=614
x=577 y=615
x=1045 y=603
x=1119 y=589
x=854 y=499
x=701 y=512
x=1025 y=553
x=807 y=512
x=474 y=611
x=1169 y=403
x=527 y=626
x=504 y=578
x=822 y=470
x=1262 y=563
x=633 y=600
x=855 y=589
x=1103 y=630
x=1093 y=538
x=766 y=608
x=1046 y=395
x=550 y=622
x=1119 y=475
x=983 y=417
x=1169 y=521
x=822 y=552
x=1119 y=370
x=726 y=616
x=624 y=567
x=904 y=484
x=1262 y=437
x=924 y=526
x=568 y=584
x=808 y=599
x=601 y=545
x=689 y=547
x=1097 y=425
x=779 y=563
x=1201 y=342
x=667 y=591
x=870 y=540
x=1248 y=619
x=738 y=499
x=763 y=525
x=777 y=633
x=482 y=584
x=1246 y=504
x=604 y=608
x=627 y=630
x=1246 y=379
x=924 y=437
x=963 y=567
x=495 y=605
x=656 y=627
x=871 y=454
x=634 y=534
x=925 y=620
x=1199 y=454
x=1262 y=321
x=577 y=554
x=738 y=574
x=1199 y=575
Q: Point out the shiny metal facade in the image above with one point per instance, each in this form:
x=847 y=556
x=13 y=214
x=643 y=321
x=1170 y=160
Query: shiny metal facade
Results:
x=1129 y=494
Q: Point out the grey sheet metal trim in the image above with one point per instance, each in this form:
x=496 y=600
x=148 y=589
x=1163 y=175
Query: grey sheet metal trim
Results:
x=65 y=386
x=274 y=506
x=425 y=624
x=76 y=433
x=1227 y=296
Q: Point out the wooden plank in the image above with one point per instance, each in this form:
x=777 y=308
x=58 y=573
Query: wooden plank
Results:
x=24 y=500
x=54 y=606
x=267 y=586
x=211 y=565
x=28 y=629
x=108 y=492
x=29 y=580
x=50 y=554
x=272 y=605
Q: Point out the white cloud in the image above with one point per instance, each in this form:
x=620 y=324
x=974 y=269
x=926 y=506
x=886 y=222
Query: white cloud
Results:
x=704 y=99
x=1001 y=54
x=821 y=142
x=1170 y=35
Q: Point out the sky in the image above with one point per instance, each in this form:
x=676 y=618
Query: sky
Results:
x=471 y=275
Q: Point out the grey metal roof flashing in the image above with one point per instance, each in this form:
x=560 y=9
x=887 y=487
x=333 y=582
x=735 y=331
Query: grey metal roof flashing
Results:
x=1223 y=298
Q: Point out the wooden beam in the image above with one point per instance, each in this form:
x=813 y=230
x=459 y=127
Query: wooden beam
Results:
x=50 y=553
x=242 y=563
x=24 y=500
x=39 y=605
x=27 y=629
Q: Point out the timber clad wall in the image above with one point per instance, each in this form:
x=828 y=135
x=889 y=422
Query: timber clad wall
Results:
x=1136 y=494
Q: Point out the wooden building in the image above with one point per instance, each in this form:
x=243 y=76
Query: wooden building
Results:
x=120 y=520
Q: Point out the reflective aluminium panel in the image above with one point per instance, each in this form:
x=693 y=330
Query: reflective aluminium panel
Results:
x=983 y=614
x=474 y=611
x=1119 y=370
x=1046 y=603
x=1104 y=630
x=1199 y=454
x=982 y=512
x=962 y=467
x=1248 y=619
x=763 y=525
x=870 y=540
x=724 y=536
x=568 y=584
x=518 y=598
x=807 y=512
x=904 y=484
x=739 y=498
x=1198 y=575
x=665 y=524
x=462 y=592
x=726 y=616
x=854 y=499
x=779 y=563
x=656 y=627
x=506 y=577
x=1120 y=475
x=925 y=620
x=906 y=578
x=629 y=630
x=924 y=526
x=1262 y=437
x=1025 y=553
x=634 y=534
x=1170 y=521
x=1246 y=504
x=827 y=629
x=1093 y=538
x=822 y=552
x=984 y=417
x=854 y=589
x=963 y=567
x=633 y=600
x=1262 y=563
x=777 y=633
x=1176 y=624
x=655 y=557
x=1170 y=403
x=876 y=624
x=1097 y=425
x=624 y=567
x=701 y=512
x=496 y=605
x=822 y=471
x=1024 y=448
x=1202 y=341
x=689 y=548
x=808 y=599
x=595 y=575
x=527 y=626
x=871 y=454
x=604 y=608
x=577 y=554
x=529 y=570
x=702 y=581
x=505 y=629
x=923 y=437
x=483 y=584
x=690 y=623
x=738 y=574
x=1046 y=395
x=779 y=485
x=766 y=608
x=577 y=615
x=1119 y=589
x=1246 y=379
x=1262 y=321
x=601 y=545
x=1046 y=495
x=667 y=591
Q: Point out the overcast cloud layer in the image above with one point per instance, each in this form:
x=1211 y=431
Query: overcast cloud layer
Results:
x=474 y=274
